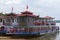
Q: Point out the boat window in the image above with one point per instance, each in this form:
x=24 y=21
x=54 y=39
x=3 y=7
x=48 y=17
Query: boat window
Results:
x=48 y=20
x=30 y=29
x=51 y=20
x=44 y=20
x=41 y=20
x=22 y=19
x=28 y=19
x=13 y=20
x=21 y=29
x=26 y=30
x=0 y=20
x=35 y=30
x=8 y=20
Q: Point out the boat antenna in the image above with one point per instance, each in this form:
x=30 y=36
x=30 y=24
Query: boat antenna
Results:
x=27 y=7
x=12 y=10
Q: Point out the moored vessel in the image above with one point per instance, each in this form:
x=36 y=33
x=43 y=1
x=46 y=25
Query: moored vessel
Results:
x=27 y=23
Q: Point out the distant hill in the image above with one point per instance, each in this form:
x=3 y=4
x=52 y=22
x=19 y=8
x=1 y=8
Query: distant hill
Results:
x=57 y=21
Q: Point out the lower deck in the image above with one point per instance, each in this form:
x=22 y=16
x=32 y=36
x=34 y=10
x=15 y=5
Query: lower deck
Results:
x=37 y=30
x=28 y=30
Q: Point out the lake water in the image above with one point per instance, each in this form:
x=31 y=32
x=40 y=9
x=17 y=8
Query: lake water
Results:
x=55 y=36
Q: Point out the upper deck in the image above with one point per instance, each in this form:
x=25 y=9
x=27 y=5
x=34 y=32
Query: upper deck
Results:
x=26 y=18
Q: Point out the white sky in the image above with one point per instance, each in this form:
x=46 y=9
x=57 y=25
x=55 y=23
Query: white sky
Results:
x=41 y=7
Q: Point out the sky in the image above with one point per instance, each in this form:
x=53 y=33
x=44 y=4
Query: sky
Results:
x=38 y=7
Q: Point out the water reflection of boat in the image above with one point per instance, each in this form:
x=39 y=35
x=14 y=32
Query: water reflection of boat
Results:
x=45 y=37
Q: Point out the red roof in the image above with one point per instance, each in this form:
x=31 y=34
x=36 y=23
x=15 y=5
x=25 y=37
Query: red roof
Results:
x=48 y=17
x=27 y=13
x=11 y=14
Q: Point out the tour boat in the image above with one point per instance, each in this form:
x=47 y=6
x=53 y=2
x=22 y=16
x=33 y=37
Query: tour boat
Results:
x=26 y=23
